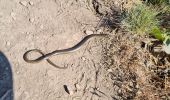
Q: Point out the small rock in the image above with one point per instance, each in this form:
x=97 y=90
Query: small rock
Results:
x=83 y=58
x=13 y=15
x=31 y=3
x=24 y=3
x=110 y=70
x=119 y=91
x=78 y=87
x=88 y=32
x=137 y=86
x=8 y=43
x=27 y=33
x=18 y=72
x=116 y=3
x=131 y=84
x=71 y=92
x=31 y=20
x=99 y=31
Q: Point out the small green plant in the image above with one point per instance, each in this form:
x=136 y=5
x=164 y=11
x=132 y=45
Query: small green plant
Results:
x=158 y=2
x=141 y=19
x=162 y=5
x=157 y=33
x=146 y=20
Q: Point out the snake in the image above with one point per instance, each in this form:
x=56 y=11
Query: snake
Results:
x=58 y=52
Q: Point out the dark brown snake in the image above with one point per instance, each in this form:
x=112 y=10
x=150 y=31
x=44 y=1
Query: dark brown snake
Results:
x=58 y=52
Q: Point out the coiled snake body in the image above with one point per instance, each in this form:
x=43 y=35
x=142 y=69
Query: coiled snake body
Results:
x=58 y=52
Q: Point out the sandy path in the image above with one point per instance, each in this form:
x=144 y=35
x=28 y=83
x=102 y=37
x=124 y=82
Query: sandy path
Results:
x=50 y=25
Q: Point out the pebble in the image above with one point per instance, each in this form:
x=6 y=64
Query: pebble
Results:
x=18 y=72
x=119 y=91
x=99 y=31
x=24 y=3
x=13 y=15
x=83 y=58
x=88 y=32
x=8 y=43
x=139 y=92
x=131 y=84
x=110 y=70
x=27 y=33
x=31 y=3
x=71 y=92
x=31 y=20
x=78 y=86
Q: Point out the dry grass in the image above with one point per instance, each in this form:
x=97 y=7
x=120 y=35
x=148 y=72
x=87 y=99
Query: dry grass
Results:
x=139 y=74
x=141 y=78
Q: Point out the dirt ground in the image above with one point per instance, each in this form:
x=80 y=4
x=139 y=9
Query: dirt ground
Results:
x=49 y=25
x=103 y=69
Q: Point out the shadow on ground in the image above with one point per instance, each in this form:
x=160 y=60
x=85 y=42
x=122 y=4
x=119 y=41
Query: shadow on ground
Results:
x=6 y=82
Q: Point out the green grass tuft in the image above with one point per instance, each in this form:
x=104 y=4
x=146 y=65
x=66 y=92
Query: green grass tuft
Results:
x=162 y=5
x=158 y=2
x=141 y=19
